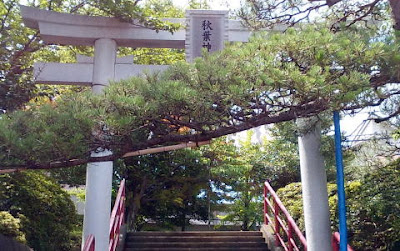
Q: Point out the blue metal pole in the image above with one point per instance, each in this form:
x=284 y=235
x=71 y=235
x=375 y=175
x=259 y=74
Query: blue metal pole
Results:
x=340 y=183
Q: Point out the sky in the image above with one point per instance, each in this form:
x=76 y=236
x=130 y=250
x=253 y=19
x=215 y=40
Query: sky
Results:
x=215 y=4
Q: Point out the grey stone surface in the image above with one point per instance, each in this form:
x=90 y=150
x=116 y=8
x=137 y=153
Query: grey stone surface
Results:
x=82 y=73
x=268 y=234
x=69 y=29
x=206 y=29
x=8 y=244
x=314 y=190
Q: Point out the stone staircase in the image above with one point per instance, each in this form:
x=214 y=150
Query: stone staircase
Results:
x=202 y=240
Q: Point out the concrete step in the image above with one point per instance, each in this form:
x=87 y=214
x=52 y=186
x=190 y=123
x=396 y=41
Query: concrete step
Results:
x=201 y=249
x=174 y=238
x=193 y=244
x=201 y=241
x=198 y=233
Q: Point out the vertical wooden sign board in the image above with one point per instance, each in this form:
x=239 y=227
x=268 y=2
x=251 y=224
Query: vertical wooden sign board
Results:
x=206 y=29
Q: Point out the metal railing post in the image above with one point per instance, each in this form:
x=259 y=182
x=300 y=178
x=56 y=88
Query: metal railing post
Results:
x=117 y=217
x=90 y=243
x=277 y=224
x=334 y=243
x=265 y=206
x=290 y=236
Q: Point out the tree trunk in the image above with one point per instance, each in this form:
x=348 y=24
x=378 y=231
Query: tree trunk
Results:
x=395 y=4
x=136 y=204
x=183 y=221
x=332 y=2
x=246 y=218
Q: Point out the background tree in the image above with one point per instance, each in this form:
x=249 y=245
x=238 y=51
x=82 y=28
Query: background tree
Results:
x=282 y=151
x=46 y=212
x=262 y=13
x=340 y=14
x=166 y=188
x=157 y=56
x=21 y=46
x=239 y=170
x=238 y=173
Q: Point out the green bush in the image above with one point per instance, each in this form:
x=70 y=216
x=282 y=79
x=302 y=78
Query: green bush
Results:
x=11 y=227
x=50 y=217
x=373 y=211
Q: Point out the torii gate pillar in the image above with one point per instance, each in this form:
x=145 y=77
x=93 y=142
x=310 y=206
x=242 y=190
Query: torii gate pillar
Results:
x=105 y=55
x=313 y=183
x=99 y=175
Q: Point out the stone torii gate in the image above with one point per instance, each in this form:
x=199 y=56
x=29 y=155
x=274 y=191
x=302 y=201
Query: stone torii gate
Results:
x=204 y=29
x=106 y=34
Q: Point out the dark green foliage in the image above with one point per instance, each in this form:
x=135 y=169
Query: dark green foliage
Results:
x=11 y=227
x=15 y=81
x=166 y=187
x=36 y=127
x=73 y=176
x=132 y=12
x=281 y=154
x=373 y=213
x=377 y=208
x=49 y=215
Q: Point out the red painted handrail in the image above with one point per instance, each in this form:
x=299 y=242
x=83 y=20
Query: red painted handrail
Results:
x=285 y=223
x=289 y=226
x=89 y=243
x=117 y=217
x=336 y=242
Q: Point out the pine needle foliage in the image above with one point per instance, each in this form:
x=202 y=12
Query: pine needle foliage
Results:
x=273 y=78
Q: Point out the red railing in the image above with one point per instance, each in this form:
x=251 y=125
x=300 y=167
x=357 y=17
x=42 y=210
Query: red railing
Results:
x=336 y=242
x=89 y=243
x=288 y=226
x=282 y=222
x=117 y=217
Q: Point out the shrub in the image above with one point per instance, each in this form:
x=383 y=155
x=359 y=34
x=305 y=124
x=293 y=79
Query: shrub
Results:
x=50 y=216
x=373 y=212
x=11 y=227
